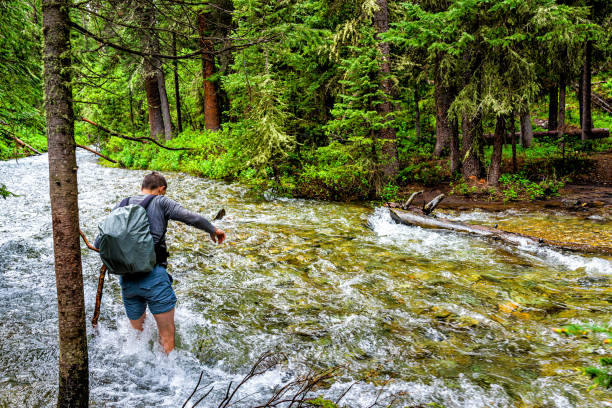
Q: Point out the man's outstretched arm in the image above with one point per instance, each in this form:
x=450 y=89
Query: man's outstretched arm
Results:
x=177 y=212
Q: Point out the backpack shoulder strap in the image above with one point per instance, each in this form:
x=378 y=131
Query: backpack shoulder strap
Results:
x=145 y=203
x=124 y=202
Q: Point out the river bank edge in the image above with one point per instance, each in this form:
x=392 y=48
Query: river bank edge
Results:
x=583 y=198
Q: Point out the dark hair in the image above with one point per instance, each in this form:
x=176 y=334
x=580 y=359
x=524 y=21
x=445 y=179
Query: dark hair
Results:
x=153 y=180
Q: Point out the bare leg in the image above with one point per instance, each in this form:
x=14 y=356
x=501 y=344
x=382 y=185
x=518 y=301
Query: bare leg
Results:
x=165 y=326
x=137 y=324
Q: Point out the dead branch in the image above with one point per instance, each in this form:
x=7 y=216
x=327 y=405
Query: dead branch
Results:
x=196 y=54
x=143 y=139
x=194 y=390
x=512 y=238
x=431 y=206
x=100 y=154
x=22 y=143
x=411 y=199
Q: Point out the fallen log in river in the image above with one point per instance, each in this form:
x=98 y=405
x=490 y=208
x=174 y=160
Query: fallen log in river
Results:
x=415 y=218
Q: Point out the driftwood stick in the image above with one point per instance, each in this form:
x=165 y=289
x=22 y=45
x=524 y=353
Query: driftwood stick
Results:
x=411 y=199
x=96 y=314
x=100 y=154
x=513 y=238
x=143 y=139
x=431 y=206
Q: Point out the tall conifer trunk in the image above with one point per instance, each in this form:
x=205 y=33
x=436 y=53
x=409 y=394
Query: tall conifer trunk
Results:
x=586 y=115
x=73 y=360
x=165 y=105
x=156 y=119
x=443 y=124
x=496 y=156
x=455 y=158
x=385 y=109
x=212 y=116
x=471 y=129
x=561 y=115
x=177 y=94
x=553 y=108
x=526 y=129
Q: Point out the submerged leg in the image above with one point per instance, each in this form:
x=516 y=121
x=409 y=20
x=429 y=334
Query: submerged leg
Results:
x=138 y=323
x=165 y=326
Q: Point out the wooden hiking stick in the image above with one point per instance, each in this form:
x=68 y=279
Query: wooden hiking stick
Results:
x=96 y=315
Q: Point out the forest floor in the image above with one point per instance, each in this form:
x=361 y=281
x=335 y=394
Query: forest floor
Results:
x=589 y=192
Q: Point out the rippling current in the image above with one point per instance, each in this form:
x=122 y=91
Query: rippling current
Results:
x=424 y=316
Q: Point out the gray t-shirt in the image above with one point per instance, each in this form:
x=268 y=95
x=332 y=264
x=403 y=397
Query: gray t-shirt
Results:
x=160 y=210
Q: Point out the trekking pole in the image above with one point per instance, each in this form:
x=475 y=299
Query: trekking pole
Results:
x=96 y=315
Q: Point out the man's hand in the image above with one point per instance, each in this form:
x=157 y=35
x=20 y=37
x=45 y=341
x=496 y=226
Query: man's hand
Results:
x=218 y=236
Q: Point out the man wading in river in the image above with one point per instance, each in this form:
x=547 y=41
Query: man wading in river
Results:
x=154 y=289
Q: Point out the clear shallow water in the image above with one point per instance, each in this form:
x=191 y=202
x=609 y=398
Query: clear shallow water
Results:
x=434 y=316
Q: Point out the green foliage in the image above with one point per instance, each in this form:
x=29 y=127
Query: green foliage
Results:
x=321 y=402
x=599 y=375
x=4 y=193
x=515 y=185
x=338 y=171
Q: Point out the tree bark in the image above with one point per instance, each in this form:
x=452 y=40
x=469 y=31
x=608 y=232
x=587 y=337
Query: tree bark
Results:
x=387 y=134
x=561 y=115
x=177 y=94
x=471 y=129
x=417 y=112
x=526 y=129
x=165 y=106
x=73 y=359
x=579 y=95
x=513 y=141
x=212 y=116
x=151 y=46
x=553 y=108
x=443 y=124
x=496 y=156
x=455 y=157
x=587 y=117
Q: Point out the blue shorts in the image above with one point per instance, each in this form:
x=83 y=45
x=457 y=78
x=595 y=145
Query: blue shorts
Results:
x=153 y=289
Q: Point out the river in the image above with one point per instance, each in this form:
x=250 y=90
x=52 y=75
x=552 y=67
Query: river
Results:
x=426 y=316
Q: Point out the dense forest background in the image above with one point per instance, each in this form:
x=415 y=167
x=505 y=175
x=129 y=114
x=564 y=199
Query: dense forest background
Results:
x=331 y=99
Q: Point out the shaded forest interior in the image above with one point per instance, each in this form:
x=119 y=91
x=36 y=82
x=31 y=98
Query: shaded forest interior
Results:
x=328 y=99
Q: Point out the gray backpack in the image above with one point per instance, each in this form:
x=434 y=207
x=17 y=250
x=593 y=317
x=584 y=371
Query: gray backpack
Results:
x=126 y=244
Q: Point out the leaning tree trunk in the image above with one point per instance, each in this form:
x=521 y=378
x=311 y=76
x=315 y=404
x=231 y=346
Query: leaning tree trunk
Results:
x=385 y=109
x=526 y=129
x=73 y=360
x=471 y=129
x=496 y=156
x=212 y=116
x=587 y=117
x=165 y=106
x=443 y=124
x=150 y=45
x=553 y=108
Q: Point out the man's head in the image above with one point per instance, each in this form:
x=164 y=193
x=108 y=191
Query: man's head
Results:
x=154 y=183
